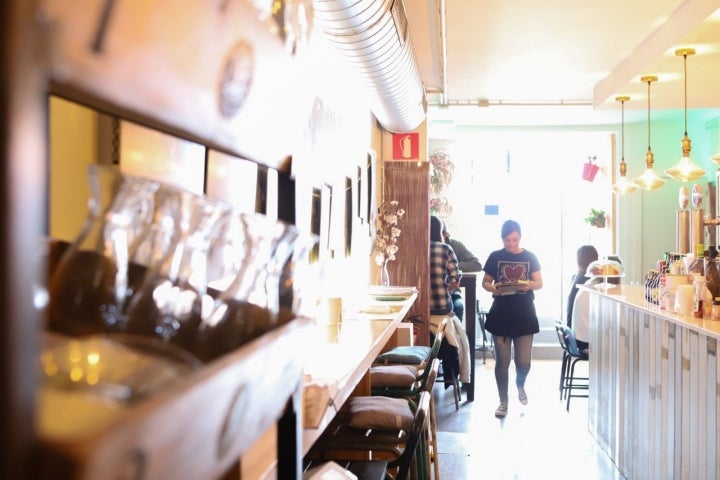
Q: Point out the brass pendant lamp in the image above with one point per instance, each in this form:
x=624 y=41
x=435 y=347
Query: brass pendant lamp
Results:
x=685 y=170
x=623 y=185
x=649 y=180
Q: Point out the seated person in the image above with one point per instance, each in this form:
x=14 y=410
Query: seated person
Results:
x=467 y=262
x=581 y=311
x=444 y=279
x=586 y=254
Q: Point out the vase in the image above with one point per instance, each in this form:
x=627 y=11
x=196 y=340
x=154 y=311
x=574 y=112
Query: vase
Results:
x=384 y=275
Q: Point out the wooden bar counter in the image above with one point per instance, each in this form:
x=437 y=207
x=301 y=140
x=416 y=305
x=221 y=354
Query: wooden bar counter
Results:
x=654 y=387
x=336 y=360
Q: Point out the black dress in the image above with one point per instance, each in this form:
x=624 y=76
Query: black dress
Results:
x=512 y=315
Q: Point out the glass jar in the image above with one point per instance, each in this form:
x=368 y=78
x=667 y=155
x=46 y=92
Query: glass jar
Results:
x=89 y=288
x=300 y=280
x=715 y=312
x=250 y=305
x=172 y=300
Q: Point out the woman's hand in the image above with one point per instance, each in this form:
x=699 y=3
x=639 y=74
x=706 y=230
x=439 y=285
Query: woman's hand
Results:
x=490 y=287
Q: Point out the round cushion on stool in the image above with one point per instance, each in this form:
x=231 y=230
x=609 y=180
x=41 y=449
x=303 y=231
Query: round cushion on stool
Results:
x=408 y=355
x=380 y=413
x=393 y=376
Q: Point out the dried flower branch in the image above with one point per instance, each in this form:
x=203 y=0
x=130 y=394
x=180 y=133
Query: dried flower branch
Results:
x=442 y=170
x=387 y=231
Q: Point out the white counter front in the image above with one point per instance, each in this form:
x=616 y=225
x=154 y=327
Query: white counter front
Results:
x=654 y=387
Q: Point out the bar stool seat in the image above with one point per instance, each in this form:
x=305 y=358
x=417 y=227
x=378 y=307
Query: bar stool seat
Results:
x=570 y=383
x=388 y=380
x=405 y=355
x=419 y=355
x=380 y=426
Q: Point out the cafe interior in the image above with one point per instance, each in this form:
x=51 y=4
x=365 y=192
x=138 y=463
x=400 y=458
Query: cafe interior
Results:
x=216 y=221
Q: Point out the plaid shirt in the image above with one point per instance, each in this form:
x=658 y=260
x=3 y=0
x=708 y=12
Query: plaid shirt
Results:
x=443 y=270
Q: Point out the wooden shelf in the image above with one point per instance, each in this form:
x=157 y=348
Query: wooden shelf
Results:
x=199 y=428
x=207 y=72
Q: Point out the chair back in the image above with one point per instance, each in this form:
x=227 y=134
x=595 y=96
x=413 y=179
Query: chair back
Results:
x=438 y=339
x=433 y=371
x=404 y=462
x=434 y=351
x=566 y=337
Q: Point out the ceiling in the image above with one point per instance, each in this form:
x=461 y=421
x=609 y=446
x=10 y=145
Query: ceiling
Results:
x=563 y=61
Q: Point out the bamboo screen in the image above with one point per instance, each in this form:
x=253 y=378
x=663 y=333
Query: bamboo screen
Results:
x=408 y=182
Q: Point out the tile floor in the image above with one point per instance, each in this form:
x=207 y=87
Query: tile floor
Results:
x=538 y=441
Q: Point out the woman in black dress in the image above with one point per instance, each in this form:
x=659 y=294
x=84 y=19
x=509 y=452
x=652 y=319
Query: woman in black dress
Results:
x=512 y=274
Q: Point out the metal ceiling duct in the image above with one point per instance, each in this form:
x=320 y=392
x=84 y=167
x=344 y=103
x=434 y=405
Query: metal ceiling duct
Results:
x=373 y=36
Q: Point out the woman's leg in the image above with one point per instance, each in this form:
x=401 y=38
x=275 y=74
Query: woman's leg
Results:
x=523 y=355
x=502 y=364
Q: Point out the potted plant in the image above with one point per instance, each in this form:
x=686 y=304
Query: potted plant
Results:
x=596 y=218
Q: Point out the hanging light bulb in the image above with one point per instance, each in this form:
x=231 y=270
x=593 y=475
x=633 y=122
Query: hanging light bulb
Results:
x=685 y=170
x=623 y=185
x=649 y=180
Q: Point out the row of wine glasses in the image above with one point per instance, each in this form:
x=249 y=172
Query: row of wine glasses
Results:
x=163 y=263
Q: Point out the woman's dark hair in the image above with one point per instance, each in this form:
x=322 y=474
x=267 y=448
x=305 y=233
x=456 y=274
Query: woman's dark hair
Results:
x=435 y=229
x=508 y=227
x=586 y=254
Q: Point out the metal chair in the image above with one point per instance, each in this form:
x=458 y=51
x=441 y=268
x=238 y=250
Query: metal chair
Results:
x=569 y=382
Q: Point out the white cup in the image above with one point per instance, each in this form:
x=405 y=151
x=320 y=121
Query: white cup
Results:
x=685 y=300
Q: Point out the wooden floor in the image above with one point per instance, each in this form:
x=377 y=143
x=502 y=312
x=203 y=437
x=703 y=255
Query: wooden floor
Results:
x=537 y=441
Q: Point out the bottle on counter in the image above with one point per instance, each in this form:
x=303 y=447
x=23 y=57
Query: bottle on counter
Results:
x=712 y=271
x=650 y=285
x=697 y=265
x=715 y=313
x=702 y=297
x=655 y=287
x=662 y=284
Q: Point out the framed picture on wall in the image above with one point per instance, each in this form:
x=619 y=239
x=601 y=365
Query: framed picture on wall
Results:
x=316 y=212
x=358 y=194
x=371 y=181
x=348 y=215
x=326 y=201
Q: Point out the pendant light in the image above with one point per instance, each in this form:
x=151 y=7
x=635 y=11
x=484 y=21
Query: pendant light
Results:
x=649 y=180
x=685 y=170
x=623 y=185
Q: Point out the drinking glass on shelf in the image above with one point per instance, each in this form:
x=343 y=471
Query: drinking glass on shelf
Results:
x=158 y=239
x=89 y=288
x=249 y=306
x=173 y=300
x=300 y=280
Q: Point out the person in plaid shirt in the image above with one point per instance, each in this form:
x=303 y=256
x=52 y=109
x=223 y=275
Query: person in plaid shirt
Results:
x=444 y=272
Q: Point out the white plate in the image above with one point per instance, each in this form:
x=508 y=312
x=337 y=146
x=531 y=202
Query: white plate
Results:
x=377 y=290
